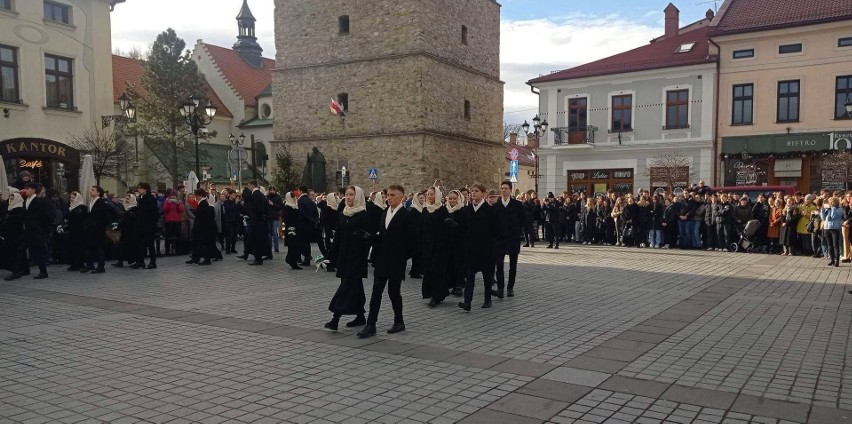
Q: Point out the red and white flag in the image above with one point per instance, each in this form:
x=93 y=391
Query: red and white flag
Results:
x=336 y=108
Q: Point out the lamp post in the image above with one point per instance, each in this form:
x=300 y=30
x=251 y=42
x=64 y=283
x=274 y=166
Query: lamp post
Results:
x=237 y=142
x=128 y=112
x=539 y=129
x=196 y=121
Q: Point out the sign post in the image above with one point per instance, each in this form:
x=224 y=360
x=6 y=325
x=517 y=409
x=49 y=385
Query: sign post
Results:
x=513 y=170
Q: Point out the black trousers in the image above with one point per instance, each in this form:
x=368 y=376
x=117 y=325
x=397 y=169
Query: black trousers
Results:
x=95 y=254
x=230 y=232
x=529 y=236
x=487 y=275
x=147 y=248
x=723 y=235
x=835 y=244
x=395 y=295
x=39 y=252
x=553 y=234
x=513 y=270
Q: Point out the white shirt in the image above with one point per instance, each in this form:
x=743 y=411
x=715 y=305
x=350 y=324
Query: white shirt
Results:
x=92 y=203
x=28 y=201
x=391 y=213
x=475 y=206
x=505 y=201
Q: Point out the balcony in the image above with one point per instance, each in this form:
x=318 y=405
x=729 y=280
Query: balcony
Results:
x=566 y=136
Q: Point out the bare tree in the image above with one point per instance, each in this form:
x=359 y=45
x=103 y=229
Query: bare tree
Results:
x=509 y=129
x=671 y=168
x=110 y=150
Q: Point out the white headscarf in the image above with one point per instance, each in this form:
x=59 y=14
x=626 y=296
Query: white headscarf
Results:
x=10 y=191
x=459 y=203
x=262 y=190
x=332 y=201
x=439 y=198
x=360 y=203
x=290 y=201
x=131 y=203
x=15 y=200
x=380 y=200
x=415 y=203
x=78 y=201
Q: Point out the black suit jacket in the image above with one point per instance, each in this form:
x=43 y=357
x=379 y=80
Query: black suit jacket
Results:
x=512 y=219
x=99 y=218
x=37 y=219
x=256 y=207
x=308 y=212
x=483 y=231
x=147 y=215
x=394 y=245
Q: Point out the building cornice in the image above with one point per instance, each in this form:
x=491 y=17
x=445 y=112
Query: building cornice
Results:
x=426 y=132
x=628 y=77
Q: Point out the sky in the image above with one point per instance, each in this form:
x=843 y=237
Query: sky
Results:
x=537 y=36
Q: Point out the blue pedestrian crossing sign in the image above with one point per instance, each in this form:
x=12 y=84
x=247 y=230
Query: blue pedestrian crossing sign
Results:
x=374 y=174
x=513 y=171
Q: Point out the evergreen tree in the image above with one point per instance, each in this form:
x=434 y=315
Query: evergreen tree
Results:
x=285 y=176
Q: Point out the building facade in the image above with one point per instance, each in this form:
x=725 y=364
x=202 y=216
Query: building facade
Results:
x=55 y=67
x=419 y=82
x=623 y=123
x=785 y=79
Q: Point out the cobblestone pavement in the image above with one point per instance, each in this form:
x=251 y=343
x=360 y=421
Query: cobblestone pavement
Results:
x=595 y=334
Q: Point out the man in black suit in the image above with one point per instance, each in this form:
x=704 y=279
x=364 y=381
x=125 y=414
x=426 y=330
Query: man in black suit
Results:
x=393 y=248
x=37 y=220
x=483 y=231
x=308 y=223
x=101 y=215
x=512 y=217
x=148 y=214
x=258 y=235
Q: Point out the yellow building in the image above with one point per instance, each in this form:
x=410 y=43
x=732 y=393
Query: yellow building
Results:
x=55 y=67
x=785 y=79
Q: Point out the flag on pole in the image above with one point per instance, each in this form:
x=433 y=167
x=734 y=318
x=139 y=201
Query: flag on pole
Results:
x=336 y=108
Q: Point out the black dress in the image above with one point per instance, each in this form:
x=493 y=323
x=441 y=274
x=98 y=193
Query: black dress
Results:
x=351 y=264
x=129 y=243
x=74 y=235
x=435 y=254
x=292 y=237
x=455 y=250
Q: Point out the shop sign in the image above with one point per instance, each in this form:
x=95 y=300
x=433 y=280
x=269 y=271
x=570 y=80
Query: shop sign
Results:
x=841 y=141
x=600 y=175
x=623 y=174
x=746 y=173
x=576 y=175
x=779 y=143
x=623 y=187
x=38 y=148
x=23 y=163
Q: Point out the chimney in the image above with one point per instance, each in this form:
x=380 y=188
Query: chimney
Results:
x=672 y=20
x=710 y=14
x=513 y=139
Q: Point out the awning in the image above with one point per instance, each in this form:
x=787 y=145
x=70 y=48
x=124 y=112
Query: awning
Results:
x=788 y=168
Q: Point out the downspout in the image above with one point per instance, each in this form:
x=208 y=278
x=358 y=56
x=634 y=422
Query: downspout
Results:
x=717 y=162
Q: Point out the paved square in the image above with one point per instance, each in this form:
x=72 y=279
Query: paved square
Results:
x=595 y=334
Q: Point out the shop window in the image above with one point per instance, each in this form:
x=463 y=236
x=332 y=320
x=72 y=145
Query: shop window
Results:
x=57 y=12
x=9 y=89
x=59 y=82
x=677 y=109
x=790 y=48
x=343 y=25
x=842 y=96
x=743 y=54
x=622 y=113
x=742 y=172
x=788 y=101
x=743 y=104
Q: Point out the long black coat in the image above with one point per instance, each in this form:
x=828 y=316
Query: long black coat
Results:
x=456 y=267
x=147 y=214
x=435 y=254
x=204 y=231
x=292 y=239
x=483 y=231
x=12 y=231
x=394 y=245
x=75 y=234
x=351 y=264
x=38 y=219
x=258 y=243
x=96 y=223
x=130 y=232
x=512 y=218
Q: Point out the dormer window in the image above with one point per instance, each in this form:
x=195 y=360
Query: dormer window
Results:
x=685 y=47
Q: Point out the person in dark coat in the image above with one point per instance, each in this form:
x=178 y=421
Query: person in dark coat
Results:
x=291 y=236
x=328 y=220
x=529 y=221
x=100 y=217
x=148 y=213
x=434 y=248
x=483 y=231
x=275 y=204
x=393 y=248
x=255 y=208
x=655 y=223
x=353 y=239
x=456 y=220
x=13 y=257
x=789 y=220
x=38 y=220
x=308 y=224
x=129 y=245
x=589 y=217
x=204 y=232
x=554 y=217
x=416 y=210
x=724 y=220
x=231 y=221
x=512 y=217
x=669 y=223
x=75 y=230
x=375 y=208
x=631 y=215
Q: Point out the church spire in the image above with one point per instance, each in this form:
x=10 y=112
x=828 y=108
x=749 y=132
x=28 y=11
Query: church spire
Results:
x=246 y=44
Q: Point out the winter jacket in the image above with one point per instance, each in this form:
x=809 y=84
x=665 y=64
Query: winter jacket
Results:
x=172 y=210
x=832 y=218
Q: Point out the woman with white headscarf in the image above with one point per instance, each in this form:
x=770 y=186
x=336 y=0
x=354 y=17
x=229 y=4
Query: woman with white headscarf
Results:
x=417 y=212
x=434 y=248
x=352 y=238
x=329 y=211
x=291 y=236
x=77 y=212
x=12 y=231
x=457 y=225
x=129 y=245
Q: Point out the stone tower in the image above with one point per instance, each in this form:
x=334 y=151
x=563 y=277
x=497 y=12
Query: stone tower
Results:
x=419 y=79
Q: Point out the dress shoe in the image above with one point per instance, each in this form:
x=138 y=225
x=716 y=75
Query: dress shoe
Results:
x=368 y=331
x=846 y=261
x=118 y=265
x=556 y=247
x=256 y=263
x=487 y=304
x=836 y=263
x=526 y=245
x=98 y=271
x=457 y=292
x=331 y=325
x=434 y=302
x=40 y=276
x=396 y=328
x=465 y=306
x=357 y=322
x=191 y=262
x=137 y=265
x=294 y=266
x=498 y=293
x=85 y=269
x=205 y=262
x=243 y=257
x=549 y=247
x=510 y=293
x=13 y=277
x=151 y=266
x=73 y=268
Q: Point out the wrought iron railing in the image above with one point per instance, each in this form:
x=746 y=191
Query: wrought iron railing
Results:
x=574 y=135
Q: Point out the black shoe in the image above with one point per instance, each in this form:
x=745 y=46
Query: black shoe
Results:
x=487 y=304
x=192 y=262
x=40 y=276
x=434 y=302
x=465 y=306
x=137 y=265
x=357 y=322
x=118 y=265
x=837 y=264
x=532 y=245
x=556 y=247
x=368 y=331
x=85 y=269
x=498 y=293
x=294 y=266
x=331 y=325
x=526 y=245
x=256 y=263
x=396 y=328
x=846 y=261
x=13 y=277
x=73 y=268
x=831 y=263
x=243 y=257
x=151 y=266
x=205 y=262
x=549 y=247
x=510 y=293
x=98 y=271
x=457 y=292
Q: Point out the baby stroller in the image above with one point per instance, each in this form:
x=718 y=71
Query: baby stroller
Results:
x=746 y=241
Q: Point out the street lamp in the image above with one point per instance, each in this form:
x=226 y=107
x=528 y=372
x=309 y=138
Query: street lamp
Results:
x=539 y=129
x=128 y=112
x=237 y=143
x=196 y=121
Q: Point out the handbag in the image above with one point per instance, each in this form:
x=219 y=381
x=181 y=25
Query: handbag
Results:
x=114 y=236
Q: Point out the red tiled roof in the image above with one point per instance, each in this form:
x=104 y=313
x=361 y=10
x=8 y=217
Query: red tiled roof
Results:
x=739 y=16
x=660 y=53
x=246 y=80
x=526 y=157
x=127 y=71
